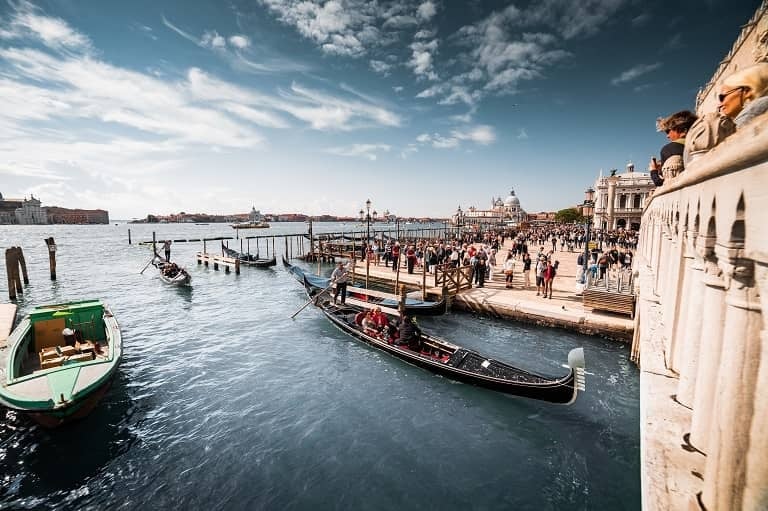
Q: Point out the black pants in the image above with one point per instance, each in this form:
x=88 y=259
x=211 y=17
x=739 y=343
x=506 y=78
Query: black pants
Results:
x=340 y=287
x=395 y=262
x=410 y=261
x=167 y=255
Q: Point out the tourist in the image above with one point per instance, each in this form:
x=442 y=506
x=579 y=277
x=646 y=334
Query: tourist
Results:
x=369 y=324
x=741 y=89
x=410 y=258
x=481 y=266
x=509 y=270
x=167 y=249
x=549 y=277
x=676 y=127
x=339 y=277
x=541 y=266
x=387 y=253
x=380 y=320
x=527 y=269
x=395 y=255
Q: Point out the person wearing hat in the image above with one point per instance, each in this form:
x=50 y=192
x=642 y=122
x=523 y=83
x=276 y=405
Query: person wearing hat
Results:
x=676 y=127
x=339 y=277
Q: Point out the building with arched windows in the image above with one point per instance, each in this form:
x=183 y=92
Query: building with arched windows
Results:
x=620 y=199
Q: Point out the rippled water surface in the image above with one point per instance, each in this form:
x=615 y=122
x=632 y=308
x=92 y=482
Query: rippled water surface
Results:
x=223 y=402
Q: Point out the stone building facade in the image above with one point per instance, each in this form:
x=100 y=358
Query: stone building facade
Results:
x=620 y=199
x=502 y=212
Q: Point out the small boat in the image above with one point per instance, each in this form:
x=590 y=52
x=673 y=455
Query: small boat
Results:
x=248 y=259
x=171 y=273
x=458 y=363
x=250 y=225
x=60 y=360
x=412 y=306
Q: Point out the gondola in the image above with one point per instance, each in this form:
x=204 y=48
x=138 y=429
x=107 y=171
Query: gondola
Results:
x=60 y=360
x=248 y=259
x=181 y=277
x=413 y=307
x=458 y=363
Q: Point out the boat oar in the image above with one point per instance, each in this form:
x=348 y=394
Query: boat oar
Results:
x=147 y=265
x=311 y=300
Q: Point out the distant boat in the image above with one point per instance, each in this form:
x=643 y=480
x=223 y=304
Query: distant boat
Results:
x=56 y=376
x=248 y=259
x=250 y=225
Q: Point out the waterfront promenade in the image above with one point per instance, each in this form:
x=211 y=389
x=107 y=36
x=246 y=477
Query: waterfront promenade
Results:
x=564 y=310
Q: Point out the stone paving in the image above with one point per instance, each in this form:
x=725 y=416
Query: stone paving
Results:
x=565 y=309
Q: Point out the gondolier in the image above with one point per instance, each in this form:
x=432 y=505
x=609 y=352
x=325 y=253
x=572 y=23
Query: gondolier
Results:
x=339 y=277
x=167 y=248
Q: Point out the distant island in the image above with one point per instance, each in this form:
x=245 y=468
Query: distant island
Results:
x=205 y=218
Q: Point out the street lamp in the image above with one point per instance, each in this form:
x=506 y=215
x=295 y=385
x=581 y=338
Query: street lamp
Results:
x=459 y=221
x=366 y=216
x=587 y=208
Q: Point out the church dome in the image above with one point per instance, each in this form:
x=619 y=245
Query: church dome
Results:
x=512 y=200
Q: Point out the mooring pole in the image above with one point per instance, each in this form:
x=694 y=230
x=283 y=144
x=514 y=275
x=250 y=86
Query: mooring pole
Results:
x=52 y=255
x=9 y=264
x=129 y=236
x=23 y=264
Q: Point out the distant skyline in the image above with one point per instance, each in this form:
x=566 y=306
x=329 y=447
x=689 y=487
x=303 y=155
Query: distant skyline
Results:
x=299 y=106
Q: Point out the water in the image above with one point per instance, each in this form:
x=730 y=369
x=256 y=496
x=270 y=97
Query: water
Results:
x=223 y=402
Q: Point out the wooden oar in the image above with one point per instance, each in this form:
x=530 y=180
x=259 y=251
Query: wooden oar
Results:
x=311 y=300
x=147 y=265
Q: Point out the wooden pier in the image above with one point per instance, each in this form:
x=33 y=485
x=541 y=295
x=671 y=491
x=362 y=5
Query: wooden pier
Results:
x=228 y=263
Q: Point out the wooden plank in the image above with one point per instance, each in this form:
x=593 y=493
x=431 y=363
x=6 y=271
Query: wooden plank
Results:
x=7 y=316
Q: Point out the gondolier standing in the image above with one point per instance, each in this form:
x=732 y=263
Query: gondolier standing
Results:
x=167 y=248
x=339 y=277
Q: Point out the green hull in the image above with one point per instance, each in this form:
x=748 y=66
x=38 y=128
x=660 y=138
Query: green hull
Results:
x=71 y=389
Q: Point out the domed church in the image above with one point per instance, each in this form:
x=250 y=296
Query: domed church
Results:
x=507 y=211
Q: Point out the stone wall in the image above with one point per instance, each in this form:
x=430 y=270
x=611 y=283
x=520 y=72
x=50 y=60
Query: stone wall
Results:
x=702 y=334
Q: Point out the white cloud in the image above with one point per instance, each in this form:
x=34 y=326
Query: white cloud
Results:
x=522 y=134
x=426 y=10
x=381 y=67
x=239 y=41
x=397 y=89
x=421 y=59
x=55 y=33
x=212 y=39
x=635 y=72
x=367 y=151
x=483 y=134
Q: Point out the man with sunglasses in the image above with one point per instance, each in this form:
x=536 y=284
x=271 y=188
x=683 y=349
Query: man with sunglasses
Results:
x=676 y=127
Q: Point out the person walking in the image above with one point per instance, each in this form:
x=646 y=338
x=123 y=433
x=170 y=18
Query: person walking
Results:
x=339 y=277
x=527 y=269
x=395 y=255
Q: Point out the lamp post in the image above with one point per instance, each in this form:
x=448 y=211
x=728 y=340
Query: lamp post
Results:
x=366 y=215
x=459 y=222
x=587 y=208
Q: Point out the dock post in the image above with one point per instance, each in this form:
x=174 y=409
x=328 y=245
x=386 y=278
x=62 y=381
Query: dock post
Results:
x=424 y=277
x=237 y=266
x=287 y=256
x=52 y=255
x=23 y=264
x=129 y=236
x=401 y=301
x=154 y=242
x=9 y=264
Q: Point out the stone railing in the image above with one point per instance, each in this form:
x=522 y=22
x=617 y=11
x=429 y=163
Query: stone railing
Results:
x=701 y=333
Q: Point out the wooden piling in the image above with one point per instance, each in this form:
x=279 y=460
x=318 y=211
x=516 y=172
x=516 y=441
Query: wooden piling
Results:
x=9 y=264
x=23 y=265
x=401 y=304
x=52 y=256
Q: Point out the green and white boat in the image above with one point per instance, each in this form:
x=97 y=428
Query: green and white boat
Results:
x=60 y=360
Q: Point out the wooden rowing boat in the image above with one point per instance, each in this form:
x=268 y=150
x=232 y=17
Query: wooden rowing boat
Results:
x=54 y=375
x=456 y=362
x=248 y=259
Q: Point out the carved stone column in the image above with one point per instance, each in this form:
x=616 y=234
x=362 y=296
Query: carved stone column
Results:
x=676 y=282
x=710 y=349
x=728 y=445
x=756 y=490
x=611 y=199
x=688 y=331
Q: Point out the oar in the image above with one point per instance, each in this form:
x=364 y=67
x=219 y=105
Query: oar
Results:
x=311 y=300
x=147 y=265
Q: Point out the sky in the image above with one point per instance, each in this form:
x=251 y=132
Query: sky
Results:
x=308 y=106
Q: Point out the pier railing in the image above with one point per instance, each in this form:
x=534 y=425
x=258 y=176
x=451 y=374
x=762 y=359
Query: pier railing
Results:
x=703 y=270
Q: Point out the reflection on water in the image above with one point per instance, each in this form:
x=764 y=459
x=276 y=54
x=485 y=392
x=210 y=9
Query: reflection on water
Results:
x=223 y=402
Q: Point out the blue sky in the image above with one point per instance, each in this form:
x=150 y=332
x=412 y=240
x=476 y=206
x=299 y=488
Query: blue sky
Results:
x=307 y=106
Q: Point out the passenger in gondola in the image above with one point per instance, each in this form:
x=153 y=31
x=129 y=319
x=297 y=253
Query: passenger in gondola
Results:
x=380 y=319
x=369 y=324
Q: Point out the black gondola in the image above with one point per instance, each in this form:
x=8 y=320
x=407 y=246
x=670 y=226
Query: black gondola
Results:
x=248 y=259
x=170 y=273
x=413 y=307
x=459 y=363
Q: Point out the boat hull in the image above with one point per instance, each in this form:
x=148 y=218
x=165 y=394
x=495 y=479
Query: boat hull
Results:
x=71 y=388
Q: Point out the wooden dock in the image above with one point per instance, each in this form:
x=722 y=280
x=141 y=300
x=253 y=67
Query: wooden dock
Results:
x=7 y=317
x=229 y=263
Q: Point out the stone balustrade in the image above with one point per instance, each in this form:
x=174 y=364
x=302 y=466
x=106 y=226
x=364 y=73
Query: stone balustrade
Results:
x=702 y=334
